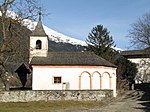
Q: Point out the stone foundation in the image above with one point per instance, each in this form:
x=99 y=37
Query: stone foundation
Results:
x=48 y=95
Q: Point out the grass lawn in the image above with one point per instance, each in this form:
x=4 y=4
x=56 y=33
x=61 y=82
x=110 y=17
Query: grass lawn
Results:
x=42 y=106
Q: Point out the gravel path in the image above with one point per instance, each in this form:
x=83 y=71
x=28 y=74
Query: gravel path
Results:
x=132 y=101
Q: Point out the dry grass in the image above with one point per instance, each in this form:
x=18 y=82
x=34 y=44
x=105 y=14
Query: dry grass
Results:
x=42 y=106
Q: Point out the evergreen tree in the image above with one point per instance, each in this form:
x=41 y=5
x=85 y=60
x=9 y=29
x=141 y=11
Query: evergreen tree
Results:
x=126 y=72
x=101 y=43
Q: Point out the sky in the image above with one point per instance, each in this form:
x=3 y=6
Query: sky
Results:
x=76 y=18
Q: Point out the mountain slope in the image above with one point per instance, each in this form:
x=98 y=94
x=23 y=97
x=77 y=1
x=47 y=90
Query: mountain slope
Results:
x=60 y=38
x=59 y=41
x=52 y=34
x=56 y=36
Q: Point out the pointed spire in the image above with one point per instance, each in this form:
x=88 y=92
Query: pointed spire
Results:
x=39 y=30
x=40 y=14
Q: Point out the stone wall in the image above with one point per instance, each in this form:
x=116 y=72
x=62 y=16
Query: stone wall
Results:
x=27 y=96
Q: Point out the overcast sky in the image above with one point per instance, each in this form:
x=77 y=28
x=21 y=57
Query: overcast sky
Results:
x=76 y=18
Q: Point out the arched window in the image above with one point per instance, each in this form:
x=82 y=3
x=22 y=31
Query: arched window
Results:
x=38 y=44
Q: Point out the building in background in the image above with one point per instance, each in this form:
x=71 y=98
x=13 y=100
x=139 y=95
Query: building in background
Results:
x=142 y=60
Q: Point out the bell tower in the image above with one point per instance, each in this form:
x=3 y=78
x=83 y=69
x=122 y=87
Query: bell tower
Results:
x=38 y=41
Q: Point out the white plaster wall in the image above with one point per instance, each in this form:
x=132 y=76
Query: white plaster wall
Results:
x=96 y=81
x=38 y=52
x=106 y=81
x=143 y=74
x=135 y=60
x=33 y=40
x=85 y=81
x=42 y=78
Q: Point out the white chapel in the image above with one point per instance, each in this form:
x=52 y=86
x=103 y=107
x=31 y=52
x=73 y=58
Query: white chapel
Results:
x=67 y=70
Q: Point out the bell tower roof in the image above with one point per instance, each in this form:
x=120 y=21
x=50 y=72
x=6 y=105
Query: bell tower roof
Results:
x=39 y=30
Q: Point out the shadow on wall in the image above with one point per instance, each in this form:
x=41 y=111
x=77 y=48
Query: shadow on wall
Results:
x=145 y=97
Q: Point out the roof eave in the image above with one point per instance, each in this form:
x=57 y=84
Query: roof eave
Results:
x=83 y=65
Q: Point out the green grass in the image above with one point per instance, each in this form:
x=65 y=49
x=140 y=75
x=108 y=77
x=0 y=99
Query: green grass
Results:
x=42 y=106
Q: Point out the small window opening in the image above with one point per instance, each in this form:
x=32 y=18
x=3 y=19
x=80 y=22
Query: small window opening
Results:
x=38 y=44
x=57 y=80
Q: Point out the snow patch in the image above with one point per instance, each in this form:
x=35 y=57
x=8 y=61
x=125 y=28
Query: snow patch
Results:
x=52 y=34
x=58 y=37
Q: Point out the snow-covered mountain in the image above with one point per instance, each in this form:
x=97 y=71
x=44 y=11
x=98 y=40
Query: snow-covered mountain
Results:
x=56 y=36
x=59 y=37
x=52 y=34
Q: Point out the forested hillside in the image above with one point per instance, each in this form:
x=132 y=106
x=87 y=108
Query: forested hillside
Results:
x=20 y=44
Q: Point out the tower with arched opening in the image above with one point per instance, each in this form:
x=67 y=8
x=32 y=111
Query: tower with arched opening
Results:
x=38 y=41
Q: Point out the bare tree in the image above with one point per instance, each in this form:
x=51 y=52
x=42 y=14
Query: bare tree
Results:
x=139 y=33
x=13 y=16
